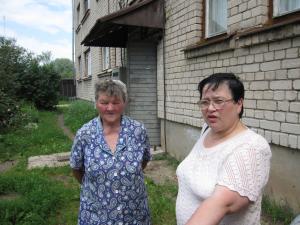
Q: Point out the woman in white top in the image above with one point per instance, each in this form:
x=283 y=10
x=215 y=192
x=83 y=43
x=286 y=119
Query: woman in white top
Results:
x=222 y=179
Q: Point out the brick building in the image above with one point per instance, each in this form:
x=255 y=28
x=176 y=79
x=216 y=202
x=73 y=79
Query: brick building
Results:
x=162 y=48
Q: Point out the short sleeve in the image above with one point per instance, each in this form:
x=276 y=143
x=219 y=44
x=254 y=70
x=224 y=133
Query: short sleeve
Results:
x=146 y=145
x=246 y=169
x=77 y=155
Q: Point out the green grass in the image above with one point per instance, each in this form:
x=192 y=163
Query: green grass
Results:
x=78 y=113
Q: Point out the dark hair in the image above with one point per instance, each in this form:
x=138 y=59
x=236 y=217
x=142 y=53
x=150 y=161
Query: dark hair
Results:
x=234 y=84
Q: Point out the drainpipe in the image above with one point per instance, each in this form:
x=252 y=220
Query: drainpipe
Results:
x=73 y=42
x=164 y=79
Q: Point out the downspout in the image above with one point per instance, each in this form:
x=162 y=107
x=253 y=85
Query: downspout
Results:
x=164 y=78
x=73 y=44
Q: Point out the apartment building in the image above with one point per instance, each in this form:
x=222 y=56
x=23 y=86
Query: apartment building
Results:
x=162 y=48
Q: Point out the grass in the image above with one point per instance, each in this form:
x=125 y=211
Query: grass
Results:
x=51 y=195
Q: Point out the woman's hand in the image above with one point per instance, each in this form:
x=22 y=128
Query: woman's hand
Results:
x=223 y=201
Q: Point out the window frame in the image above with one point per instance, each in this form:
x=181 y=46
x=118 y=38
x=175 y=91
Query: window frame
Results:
x=87 y=63
x=87 y=5
x=207 y=21
x=276 y=9
x=79 y=63
x=106 y=58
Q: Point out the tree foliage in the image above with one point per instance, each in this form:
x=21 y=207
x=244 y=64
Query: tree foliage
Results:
x=64 y=67
x=25 y=77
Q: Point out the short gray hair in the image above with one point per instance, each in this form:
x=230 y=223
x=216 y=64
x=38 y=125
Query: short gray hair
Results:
x=111 y=87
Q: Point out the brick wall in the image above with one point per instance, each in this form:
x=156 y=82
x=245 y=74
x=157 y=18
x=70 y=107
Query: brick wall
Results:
x=267 y=61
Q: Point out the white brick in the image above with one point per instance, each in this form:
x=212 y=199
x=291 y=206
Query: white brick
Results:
x=270 y=75
x=250 y=104
x=258 y=95
x=281 y=74
x=280 y=116
x=259 y=75
x=280 y=45
x=284 y=105
x=291 y=95
x=275 y=138
x=292 y=141
x=296 y=42
x=266 y=104
x=250 y=68
x=294 y=73
x=290 y=128
x=268 y=136
x=259 y=114
x=273 y=65
x=269 y=115
x=292 y=53
x=259 y=85
x=296 y=84
x=281 y=85
x=259 y=58
x=251 y=122
x=280 y=54
x=279 y=95
x=292 y=117
x=249 y=112
x=284 y=139
x=268 y=56
x=295 y=106
x=270 y=125
x=268 y=94
x=290 y=63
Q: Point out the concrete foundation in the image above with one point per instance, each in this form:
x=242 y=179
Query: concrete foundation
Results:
x=284 y=182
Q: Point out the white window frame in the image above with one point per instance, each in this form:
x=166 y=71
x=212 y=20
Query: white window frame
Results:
x=209 y=20
x=88 y=63
x=106 y=58
x=279 y=10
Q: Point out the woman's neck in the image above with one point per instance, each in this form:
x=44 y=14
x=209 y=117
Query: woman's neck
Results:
x=218 y=137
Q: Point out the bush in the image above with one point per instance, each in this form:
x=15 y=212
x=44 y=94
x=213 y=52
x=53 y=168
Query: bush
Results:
x=8 y=110
x=40 y=85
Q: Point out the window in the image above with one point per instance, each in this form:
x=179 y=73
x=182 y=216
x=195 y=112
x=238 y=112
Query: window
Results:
x=106 y=58
x=79 y=67
x=282 y=7
x=86 y=5
x=88 y=63
x=78 y=15
x=216 y=17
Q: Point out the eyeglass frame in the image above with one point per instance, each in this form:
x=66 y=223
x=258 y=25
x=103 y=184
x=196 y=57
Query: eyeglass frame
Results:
x=213 y=102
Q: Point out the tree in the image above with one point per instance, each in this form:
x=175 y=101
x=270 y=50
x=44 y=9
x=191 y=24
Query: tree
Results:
x=64 y=67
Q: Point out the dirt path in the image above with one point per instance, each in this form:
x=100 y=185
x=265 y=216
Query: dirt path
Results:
x=65 y=129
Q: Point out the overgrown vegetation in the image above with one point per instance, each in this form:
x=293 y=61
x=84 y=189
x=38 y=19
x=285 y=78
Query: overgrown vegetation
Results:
x=78 y=113
x=25 y=77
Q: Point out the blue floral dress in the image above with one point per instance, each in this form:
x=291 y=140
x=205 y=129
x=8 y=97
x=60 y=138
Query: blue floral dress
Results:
x=113 y=191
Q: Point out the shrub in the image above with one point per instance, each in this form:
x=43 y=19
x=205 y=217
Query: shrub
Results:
x=8 y=110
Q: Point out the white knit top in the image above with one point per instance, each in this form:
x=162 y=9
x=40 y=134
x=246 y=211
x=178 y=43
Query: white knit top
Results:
x=241 y=163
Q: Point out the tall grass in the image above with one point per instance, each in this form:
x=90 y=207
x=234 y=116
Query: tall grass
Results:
x=78 y=113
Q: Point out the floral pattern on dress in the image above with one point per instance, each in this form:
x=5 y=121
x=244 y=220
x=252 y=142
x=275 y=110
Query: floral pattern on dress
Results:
x=113 y=191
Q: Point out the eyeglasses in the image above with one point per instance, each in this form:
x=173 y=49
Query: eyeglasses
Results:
x=217 y=103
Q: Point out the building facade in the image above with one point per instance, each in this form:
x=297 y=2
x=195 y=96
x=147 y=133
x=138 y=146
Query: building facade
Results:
x=163 y=59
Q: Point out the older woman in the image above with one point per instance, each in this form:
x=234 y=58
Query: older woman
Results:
x=108 y=156
x=222 y=179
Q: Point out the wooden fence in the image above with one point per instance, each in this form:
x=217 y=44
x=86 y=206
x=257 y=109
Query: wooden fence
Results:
x=67 y=88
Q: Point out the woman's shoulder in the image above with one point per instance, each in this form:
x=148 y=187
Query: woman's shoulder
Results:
x=254 y=141
x=89 y=127
x=129 y=122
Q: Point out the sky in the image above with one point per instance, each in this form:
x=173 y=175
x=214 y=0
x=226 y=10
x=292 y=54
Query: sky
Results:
x=39 y=25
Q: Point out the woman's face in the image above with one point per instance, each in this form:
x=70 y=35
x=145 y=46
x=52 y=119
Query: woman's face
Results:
x=110 y=108
x=225 y=113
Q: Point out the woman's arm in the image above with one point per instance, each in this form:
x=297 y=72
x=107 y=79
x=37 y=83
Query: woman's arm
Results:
x=78 y=174
x=223 y=201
